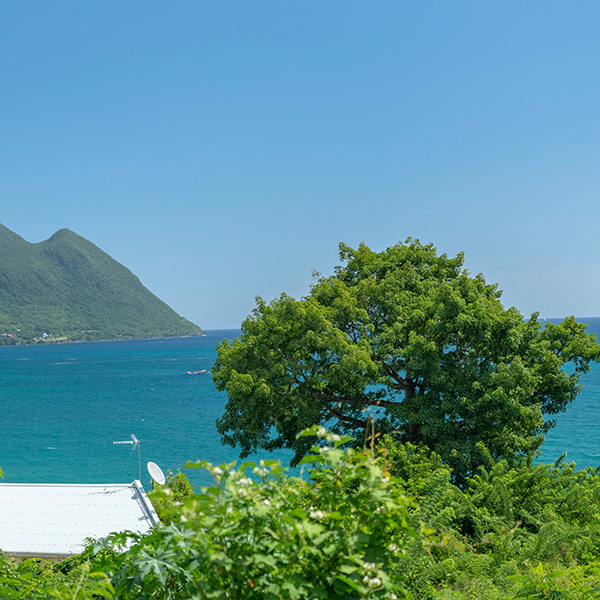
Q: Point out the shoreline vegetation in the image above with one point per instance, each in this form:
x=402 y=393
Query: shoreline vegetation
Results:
x=69 y=340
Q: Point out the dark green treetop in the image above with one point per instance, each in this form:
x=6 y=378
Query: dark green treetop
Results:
x=408 y=337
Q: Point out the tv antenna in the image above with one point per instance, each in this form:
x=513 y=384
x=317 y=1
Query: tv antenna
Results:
x=156 y=473
x=135 y=444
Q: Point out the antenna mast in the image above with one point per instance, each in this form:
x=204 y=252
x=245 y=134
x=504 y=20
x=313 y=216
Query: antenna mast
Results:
x=135 y=444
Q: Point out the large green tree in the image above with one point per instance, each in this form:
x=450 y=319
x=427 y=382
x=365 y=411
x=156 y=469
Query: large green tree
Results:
x=408 y=338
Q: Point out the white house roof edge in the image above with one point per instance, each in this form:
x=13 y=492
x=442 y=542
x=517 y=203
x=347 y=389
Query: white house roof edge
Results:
x=152 y=515
x=69 y=485
x=43 y=519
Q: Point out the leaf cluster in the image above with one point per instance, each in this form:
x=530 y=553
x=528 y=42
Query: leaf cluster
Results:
x=167 y=498
x=72 y=579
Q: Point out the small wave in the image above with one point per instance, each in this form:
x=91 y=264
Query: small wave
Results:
x=50 y=448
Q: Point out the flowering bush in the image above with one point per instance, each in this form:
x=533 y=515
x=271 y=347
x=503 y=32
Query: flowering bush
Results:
x=257 y=533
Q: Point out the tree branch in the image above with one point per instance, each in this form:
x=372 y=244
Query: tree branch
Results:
x=320 y=395
x=346 y=419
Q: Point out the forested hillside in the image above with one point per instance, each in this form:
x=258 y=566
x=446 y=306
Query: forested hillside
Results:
x=67 y=288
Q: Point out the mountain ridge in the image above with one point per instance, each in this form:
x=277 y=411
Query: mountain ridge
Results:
x=66 y=288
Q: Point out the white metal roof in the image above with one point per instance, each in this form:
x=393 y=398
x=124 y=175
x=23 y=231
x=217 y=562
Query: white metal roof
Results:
x=54 y=520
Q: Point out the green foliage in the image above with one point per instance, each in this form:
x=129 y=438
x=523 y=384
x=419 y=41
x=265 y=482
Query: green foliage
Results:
x=66 y=287
x=168 y=497
x=408 y=337
x=538 y=585
x=492 y=534
x=259 y=534
x=72 y=579
x=348 y=530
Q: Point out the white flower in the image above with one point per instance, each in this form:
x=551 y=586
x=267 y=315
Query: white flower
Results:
x=266 y=502
x=335 y=437
x=217 y=471
x=259 y=472
x=372 y=581
x=321 y=432
x=369 y=566
x=393 y=548
x=229 y=509
x=245 y=481
x=324 y=449
x=316 y=514
x=243 y=492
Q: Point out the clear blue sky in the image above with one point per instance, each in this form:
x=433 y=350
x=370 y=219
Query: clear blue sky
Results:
x=222 y=150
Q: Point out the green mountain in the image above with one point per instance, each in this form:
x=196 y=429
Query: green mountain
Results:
x=66 y=287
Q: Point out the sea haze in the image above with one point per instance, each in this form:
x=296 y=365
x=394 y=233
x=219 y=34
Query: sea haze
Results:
x=64 y=405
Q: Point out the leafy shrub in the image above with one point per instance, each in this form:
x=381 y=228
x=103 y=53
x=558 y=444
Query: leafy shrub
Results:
x=349 y=529
x=492 y=535
x=72 y=579
x=168 y=497
x=260 y=534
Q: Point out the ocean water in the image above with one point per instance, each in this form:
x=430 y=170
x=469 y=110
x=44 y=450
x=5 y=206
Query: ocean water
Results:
x=63 y=406
x=577 y=430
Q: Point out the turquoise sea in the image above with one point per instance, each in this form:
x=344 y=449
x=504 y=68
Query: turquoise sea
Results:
x=63 y=406
x=577 y=431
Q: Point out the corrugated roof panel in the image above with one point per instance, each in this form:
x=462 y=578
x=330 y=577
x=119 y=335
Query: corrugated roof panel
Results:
x=56 y=519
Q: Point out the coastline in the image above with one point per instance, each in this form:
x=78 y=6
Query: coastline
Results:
x=119 y=339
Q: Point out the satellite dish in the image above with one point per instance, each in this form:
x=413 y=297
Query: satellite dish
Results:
x=156 y=473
